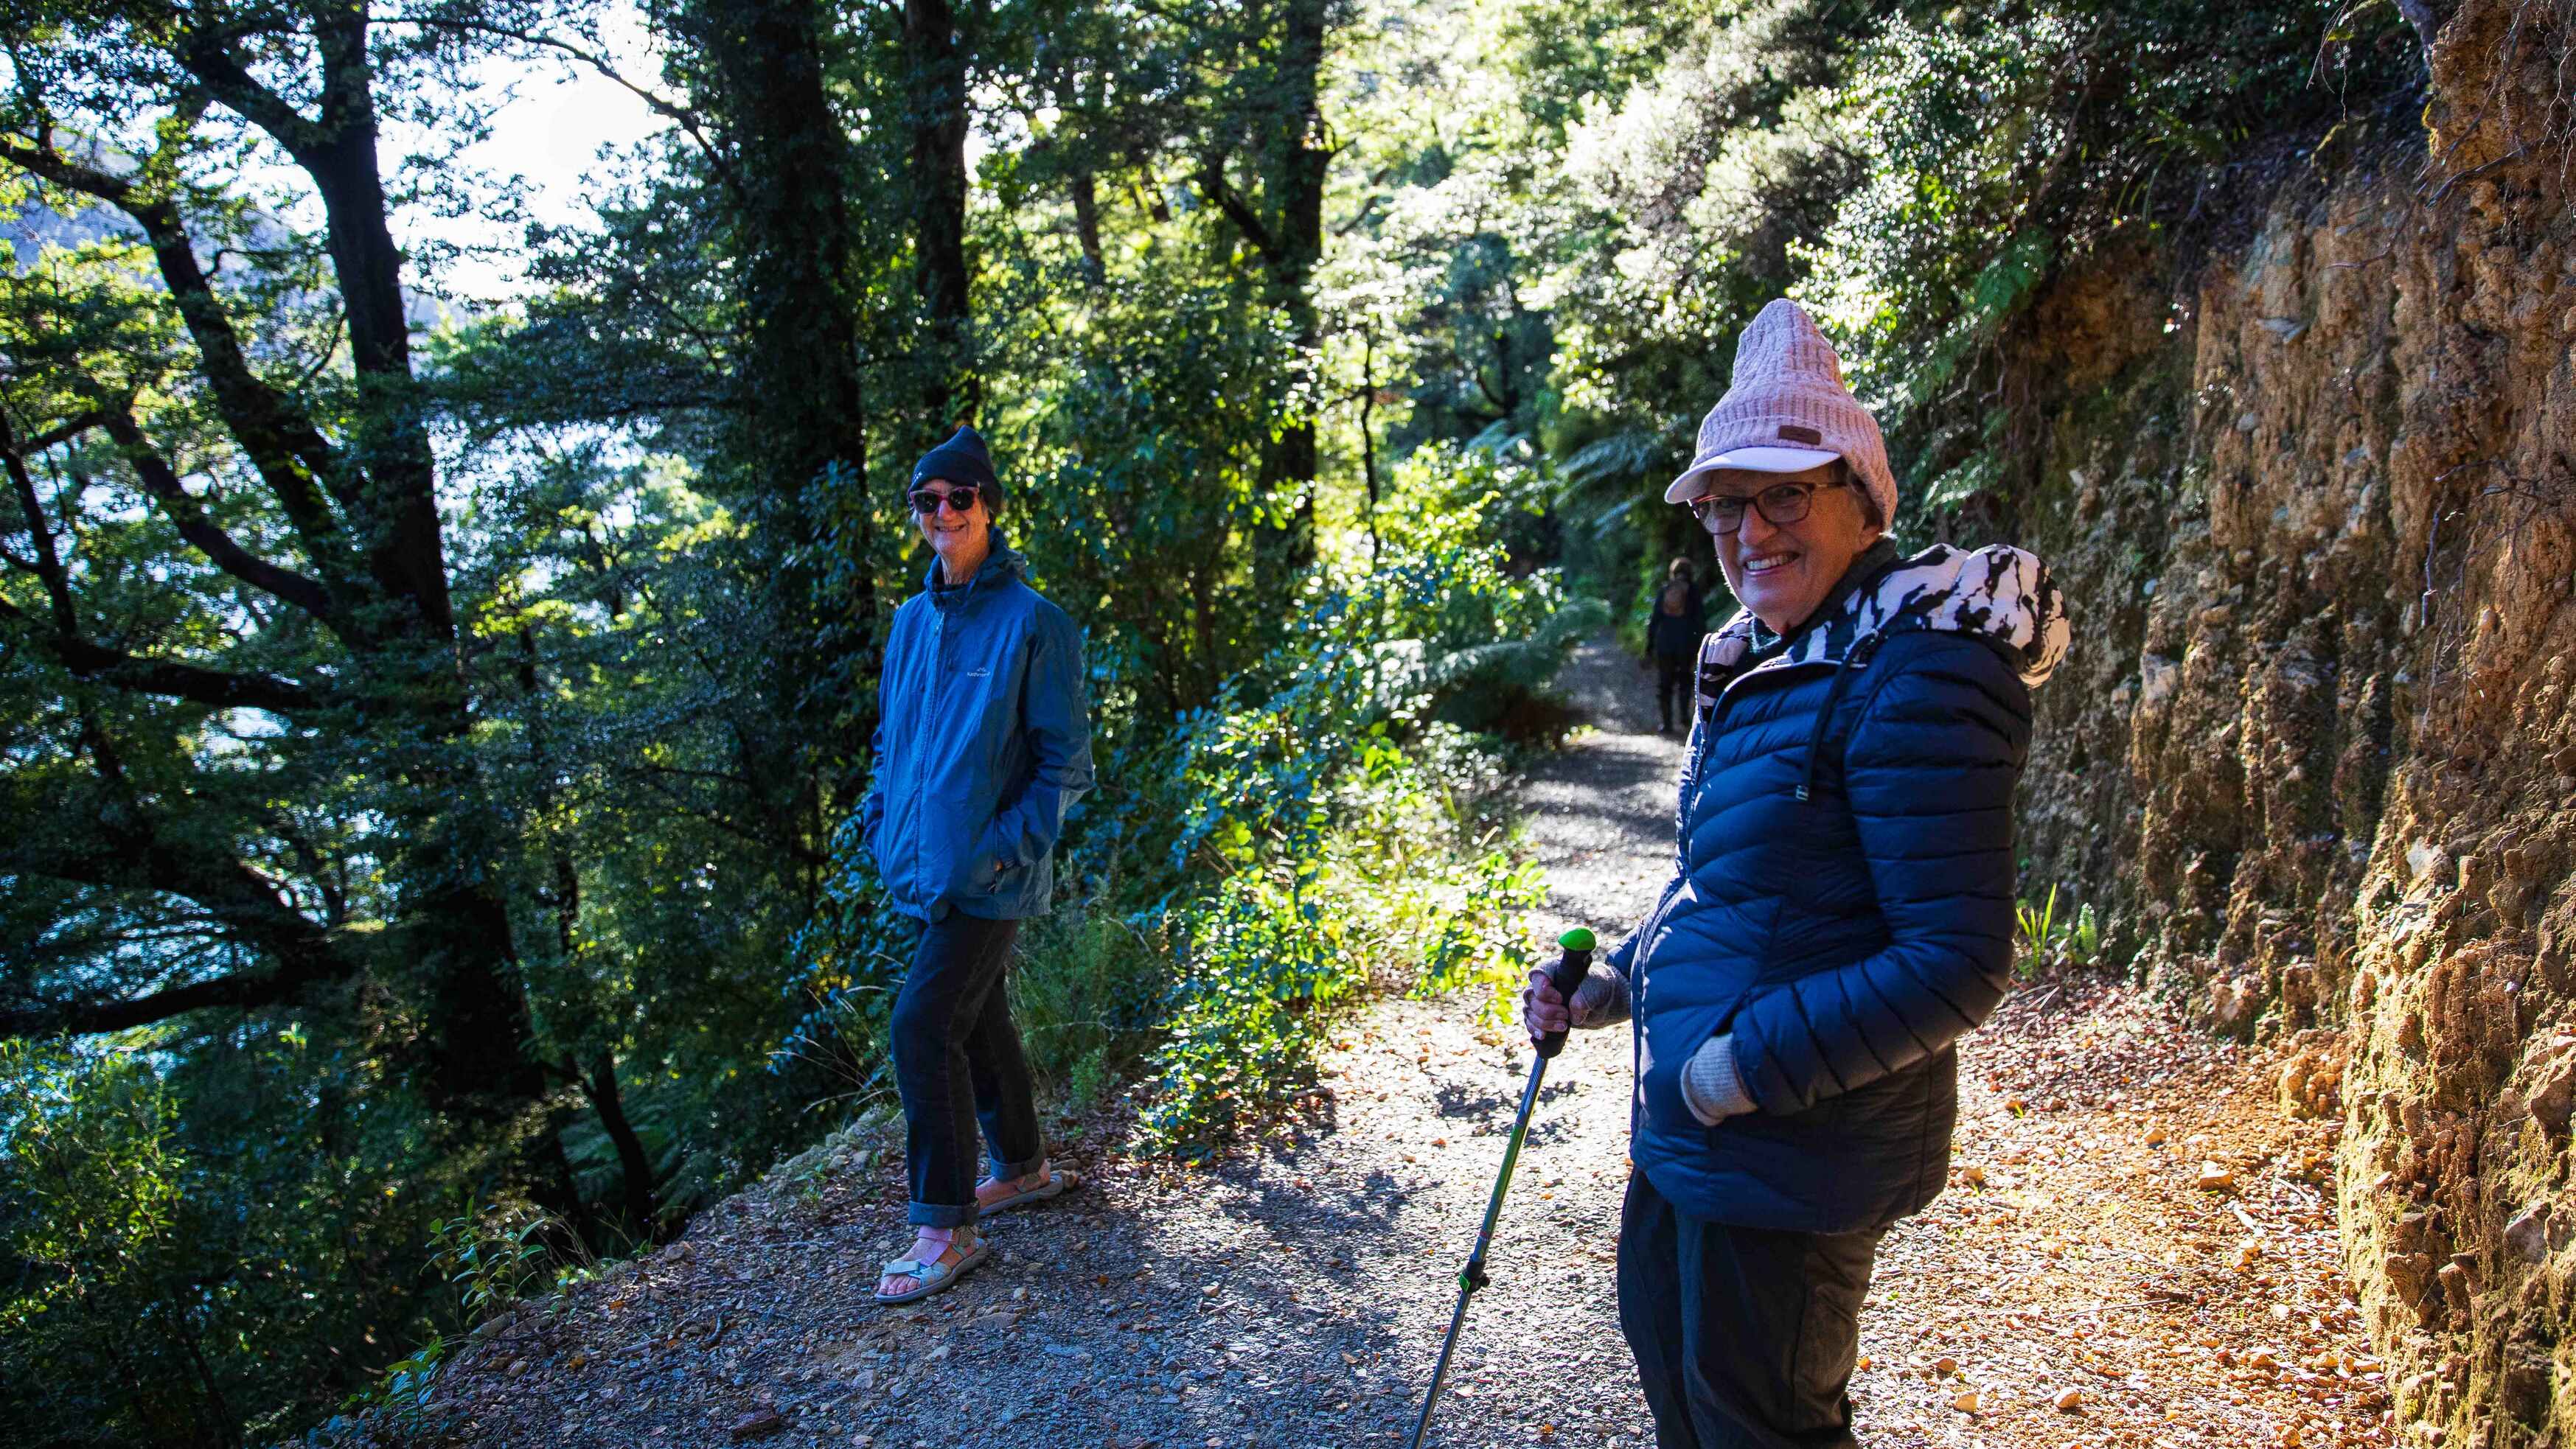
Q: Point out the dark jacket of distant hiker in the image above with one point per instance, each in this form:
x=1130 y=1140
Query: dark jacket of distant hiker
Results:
x=1844 y=899
x=985 y=742
x=1675 y=636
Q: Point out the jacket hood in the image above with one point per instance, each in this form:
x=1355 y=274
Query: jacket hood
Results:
x=2000 y=592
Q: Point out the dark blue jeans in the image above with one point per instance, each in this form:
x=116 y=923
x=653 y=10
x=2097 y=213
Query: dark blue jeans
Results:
x=1675 y=680
x=1744 y=1337
x=957 y=1061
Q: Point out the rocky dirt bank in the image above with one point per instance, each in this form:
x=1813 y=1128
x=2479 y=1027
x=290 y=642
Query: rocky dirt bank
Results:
x=2313 y=498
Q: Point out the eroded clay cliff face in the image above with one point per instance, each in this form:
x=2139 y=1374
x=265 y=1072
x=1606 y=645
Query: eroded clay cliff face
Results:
x=2318 y=742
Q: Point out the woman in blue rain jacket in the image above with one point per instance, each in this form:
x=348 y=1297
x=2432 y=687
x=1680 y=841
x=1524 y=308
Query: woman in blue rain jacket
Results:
x=983 y=743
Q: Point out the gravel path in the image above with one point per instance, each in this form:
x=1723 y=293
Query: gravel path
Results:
x=1294 y=1294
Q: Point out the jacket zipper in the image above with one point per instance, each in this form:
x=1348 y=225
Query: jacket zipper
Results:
x=1852 y=663
x=1702 y=739
x=920 y=776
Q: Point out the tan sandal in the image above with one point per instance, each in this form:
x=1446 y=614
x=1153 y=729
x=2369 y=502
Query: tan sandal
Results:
x=1059 y=1181
x=931 y=1277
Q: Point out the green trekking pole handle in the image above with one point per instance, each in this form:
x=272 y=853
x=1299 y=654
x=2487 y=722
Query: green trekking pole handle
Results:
x=1572 y=964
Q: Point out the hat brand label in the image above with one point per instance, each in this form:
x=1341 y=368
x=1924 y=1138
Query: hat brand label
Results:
x=1796 y=434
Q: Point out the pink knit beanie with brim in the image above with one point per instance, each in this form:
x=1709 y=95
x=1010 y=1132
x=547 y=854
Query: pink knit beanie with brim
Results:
x=1787 y=411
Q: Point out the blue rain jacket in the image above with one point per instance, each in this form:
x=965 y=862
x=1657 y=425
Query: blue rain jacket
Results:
x=983 y=743
x=1843 y=902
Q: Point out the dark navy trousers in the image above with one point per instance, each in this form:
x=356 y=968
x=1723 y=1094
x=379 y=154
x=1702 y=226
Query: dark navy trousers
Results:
x=1744 y=1337
x=958 y=1064
x=1675 y=679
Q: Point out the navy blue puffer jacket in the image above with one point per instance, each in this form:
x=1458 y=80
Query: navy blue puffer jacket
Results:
x=1844 y=900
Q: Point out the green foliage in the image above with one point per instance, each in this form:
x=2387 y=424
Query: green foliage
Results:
x=2046 y=939
x=91 y=1190
x=2008 y=143
x=1340 y=849
x=1088 y=994
x=402 y=1394
x=210 y=1225
x=1304 y=930
x=493 y=1257
x=1140 y=471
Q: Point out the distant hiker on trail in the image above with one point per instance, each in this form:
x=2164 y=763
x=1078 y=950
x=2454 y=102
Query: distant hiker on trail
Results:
x=983 y=741
x=1842 y=915
x=1673 y=629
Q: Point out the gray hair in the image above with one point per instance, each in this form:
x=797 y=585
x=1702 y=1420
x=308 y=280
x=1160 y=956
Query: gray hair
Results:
x=1852 y=478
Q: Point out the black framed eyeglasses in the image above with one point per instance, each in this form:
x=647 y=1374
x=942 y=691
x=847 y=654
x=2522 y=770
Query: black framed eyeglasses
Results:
x=1781 y=504
x=960 y=499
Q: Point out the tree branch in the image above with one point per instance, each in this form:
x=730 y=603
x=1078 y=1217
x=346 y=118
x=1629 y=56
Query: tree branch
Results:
x=189 y=517
x=64 y=432
x=289 y=452
x=32 y=156
x=126 y=848
x=681 y=116
x=210 y=59
x=241 y=991
x=47 y=565
x=99 y=664
x=394 y=507
x=1211 y=179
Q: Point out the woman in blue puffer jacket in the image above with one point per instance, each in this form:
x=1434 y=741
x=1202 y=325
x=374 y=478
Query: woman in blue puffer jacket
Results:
x=983 y=742
x=1841 y=914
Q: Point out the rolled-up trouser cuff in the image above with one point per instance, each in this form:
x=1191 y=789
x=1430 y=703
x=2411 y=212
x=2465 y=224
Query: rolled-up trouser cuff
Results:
x=1013 y=1171
x=941 y=1215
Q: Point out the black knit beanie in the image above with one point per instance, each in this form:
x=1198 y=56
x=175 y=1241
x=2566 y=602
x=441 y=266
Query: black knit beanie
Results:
x=962 y=459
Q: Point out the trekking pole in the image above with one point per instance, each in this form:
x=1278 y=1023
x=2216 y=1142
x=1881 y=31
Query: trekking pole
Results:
x=1565 y=975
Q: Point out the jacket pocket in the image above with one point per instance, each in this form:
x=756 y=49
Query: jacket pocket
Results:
x=1659 y=1081
x=1659 y=1090
x=980 y=873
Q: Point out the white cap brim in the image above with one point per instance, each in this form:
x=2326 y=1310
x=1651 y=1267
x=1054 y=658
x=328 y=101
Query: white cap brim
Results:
x=1750 y=460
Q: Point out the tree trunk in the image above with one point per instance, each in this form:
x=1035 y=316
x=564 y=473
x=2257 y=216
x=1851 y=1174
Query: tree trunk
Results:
x=599 y=1085
x=1086 y=227
x=1300 y=166
x=795 y=237
x=800 y=394
x=935 y=93
x=1368 y=436
x=1285 y=226
x=477 y=1063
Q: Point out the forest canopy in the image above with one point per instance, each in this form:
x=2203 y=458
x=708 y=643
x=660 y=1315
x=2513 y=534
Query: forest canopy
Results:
x=438 y=634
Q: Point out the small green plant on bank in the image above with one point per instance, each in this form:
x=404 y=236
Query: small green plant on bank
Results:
x=400 y=1395
x=493 y=1257
x=1350 y=869
x=2046 y=938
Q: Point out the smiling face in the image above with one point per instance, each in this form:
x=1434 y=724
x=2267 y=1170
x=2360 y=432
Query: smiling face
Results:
x=960 y=540
x=1782 y=571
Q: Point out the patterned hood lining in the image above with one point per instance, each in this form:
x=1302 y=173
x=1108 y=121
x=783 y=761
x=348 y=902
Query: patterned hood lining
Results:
x=2001 y=592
